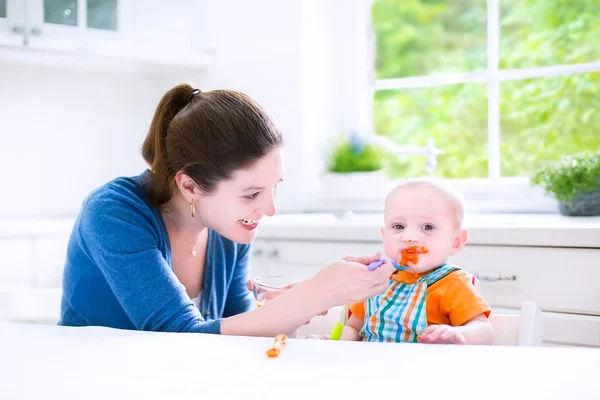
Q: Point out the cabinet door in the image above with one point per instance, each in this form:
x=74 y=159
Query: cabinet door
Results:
x=557 y=279
x=12 y=22
x=49 y=261
x=73 y=24
x=16 y=264
x=565 y=329
x=287 y=261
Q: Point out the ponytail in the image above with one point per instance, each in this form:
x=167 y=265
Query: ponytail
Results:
x=154 y=146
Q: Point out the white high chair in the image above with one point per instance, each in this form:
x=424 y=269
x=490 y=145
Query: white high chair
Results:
x=521 y=328
x=524 y=328
x=323 y=324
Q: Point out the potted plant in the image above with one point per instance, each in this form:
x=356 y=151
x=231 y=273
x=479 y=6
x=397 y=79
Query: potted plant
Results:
x=575 y=182
x=354 y=170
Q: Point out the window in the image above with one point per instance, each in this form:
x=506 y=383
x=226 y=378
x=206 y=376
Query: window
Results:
x=502 y=86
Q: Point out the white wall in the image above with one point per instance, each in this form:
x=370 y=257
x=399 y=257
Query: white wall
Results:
x=65 y=131
x=286 y=55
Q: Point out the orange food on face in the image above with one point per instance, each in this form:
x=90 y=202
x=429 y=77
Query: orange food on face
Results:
x=412 y=254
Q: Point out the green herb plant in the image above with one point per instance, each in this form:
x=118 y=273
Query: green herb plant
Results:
x=352 y=154
x=570 y=176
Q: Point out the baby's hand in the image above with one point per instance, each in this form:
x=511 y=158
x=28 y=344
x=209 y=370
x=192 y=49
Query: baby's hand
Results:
x=442 y=334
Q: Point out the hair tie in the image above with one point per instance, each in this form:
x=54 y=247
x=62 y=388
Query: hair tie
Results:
x=193 y=93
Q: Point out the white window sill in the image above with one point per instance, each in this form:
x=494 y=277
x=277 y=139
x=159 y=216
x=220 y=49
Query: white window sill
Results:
x=507 y=195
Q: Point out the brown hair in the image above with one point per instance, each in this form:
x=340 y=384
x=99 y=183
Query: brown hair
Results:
x=206 y=135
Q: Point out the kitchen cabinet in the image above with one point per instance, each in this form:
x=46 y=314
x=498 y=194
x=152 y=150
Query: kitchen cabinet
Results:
x=150 y=32
x=12 y=22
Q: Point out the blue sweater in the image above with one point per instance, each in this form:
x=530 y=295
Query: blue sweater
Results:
x=119 y=274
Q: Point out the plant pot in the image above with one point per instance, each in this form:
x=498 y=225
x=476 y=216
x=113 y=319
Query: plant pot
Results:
x=584 y=204
x=355 y=186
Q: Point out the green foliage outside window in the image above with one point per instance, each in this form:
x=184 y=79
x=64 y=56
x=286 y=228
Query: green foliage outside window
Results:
x=541 y=119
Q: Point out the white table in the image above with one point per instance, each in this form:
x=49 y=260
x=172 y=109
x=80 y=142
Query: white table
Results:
x=50 y=362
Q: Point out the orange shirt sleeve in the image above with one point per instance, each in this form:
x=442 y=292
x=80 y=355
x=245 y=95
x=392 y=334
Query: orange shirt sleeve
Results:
x=358 y=309
x=462 y=302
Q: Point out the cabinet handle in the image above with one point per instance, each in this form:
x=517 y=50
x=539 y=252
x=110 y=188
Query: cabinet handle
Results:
x=494 y=277
x=273 y=253
x=18 y=29
x=36 y=31
x=257 y=252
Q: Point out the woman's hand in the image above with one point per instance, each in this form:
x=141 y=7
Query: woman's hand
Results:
x=342 y=282
x=269 y=295
x=349 y=281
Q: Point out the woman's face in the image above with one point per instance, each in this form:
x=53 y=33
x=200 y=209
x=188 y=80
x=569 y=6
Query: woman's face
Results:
x=234 y=209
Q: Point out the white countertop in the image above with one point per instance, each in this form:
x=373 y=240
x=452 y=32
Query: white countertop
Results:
x=52 y=362
x=484 y=229
x=489 y=229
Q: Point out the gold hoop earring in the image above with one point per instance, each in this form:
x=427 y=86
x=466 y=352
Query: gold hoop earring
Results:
x=193 y=208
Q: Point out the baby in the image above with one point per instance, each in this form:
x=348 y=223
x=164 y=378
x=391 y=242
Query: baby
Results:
x=432 y=301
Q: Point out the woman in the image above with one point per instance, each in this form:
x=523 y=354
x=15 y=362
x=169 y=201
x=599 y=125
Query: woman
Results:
x=168 y=250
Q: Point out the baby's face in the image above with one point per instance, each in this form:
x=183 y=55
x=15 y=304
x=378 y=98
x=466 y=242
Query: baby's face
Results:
x=425 y=218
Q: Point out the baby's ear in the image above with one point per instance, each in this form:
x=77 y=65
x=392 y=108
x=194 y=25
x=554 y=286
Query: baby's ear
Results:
x=381 y=232
x=459 y=241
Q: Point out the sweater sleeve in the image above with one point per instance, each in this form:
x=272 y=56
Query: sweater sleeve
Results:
x=239 y=298
x=121 y=240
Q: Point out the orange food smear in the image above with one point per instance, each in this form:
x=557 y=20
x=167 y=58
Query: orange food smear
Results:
x=280 y=341
x=412 y=254
x=273 y=352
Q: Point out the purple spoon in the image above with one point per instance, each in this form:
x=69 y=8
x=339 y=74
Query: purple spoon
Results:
x=378 y=263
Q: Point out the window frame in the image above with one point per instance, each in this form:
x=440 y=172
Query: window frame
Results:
x=516 y=192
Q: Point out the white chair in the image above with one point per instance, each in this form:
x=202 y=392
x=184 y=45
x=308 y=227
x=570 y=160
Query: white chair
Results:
x=521 y=328
x=524 y=328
